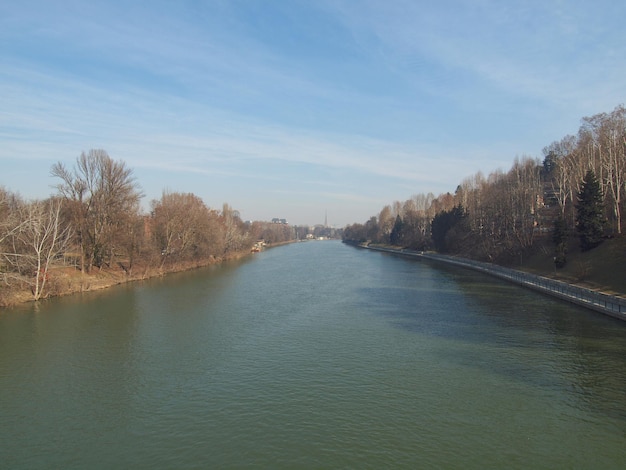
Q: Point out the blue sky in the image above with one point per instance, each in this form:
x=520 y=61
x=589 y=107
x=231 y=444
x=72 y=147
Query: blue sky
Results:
x=291 y=108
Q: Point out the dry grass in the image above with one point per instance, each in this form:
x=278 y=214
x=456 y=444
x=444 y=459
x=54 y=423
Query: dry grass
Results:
x=69 y=280
x=603 y=268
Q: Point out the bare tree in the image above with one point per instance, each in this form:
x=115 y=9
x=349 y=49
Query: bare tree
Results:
x=184 y=228
x=386 y=220
x=526 y=192
x=38 y=236
x=613 y=134
x=562 y=183
x=235 y=235
x=99 y=193
x=10 y=225
x=45 y=237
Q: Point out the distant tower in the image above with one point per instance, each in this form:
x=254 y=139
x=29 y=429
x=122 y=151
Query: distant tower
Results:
x=326 y=218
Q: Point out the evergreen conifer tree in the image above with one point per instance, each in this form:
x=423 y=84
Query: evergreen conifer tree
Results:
x=442 y=225
x=396 y=233
x=559 y=238
x=590 y=220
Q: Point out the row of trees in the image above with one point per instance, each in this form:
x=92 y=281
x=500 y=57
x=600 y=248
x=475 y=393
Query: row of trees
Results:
x=579 y=187
x=95 y=221
x=600 y=146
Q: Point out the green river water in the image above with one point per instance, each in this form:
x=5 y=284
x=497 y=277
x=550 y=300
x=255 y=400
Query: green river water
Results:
x=312 y=355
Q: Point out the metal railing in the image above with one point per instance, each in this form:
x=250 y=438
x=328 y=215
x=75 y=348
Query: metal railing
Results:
x=601 y=302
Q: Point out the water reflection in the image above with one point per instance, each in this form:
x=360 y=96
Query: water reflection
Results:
x=503 y=329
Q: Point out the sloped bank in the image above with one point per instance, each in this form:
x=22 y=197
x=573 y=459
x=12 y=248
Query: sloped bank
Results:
x=597 y=301
x=65 y=281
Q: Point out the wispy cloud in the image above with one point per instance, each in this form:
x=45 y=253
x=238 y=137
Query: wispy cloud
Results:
x=363 y=103
x=147 y=136
x=546 y=51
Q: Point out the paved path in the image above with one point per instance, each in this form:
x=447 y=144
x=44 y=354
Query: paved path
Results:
x=598 y=301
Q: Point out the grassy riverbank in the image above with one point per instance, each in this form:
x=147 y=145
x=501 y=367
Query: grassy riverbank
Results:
x=603 y=268
x=67 y=280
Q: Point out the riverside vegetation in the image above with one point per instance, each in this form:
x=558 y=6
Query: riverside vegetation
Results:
x=92 y=233
x=562 y=216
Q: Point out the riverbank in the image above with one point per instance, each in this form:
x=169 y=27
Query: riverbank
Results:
x=69 y=280
x=602 y=302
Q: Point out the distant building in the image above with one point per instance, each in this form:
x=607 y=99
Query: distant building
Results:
x=279 y=221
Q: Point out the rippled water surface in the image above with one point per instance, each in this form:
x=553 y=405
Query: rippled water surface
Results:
x=312 y=355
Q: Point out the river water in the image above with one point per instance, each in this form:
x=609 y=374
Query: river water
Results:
x=312 y=355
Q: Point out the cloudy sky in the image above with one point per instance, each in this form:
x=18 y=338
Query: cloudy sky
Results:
x=291 y=109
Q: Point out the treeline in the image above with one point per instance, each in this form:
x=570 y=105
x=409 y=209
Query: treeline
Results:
x=95 y=222
x=578 y=188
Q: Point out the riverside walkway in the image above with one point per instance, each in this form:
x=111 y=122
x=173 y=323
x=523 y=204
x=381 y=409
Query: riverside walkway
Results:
x=598 y=301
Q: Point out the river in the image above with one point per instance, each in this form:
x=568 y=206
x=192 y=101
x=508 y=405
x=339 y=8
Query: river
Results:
x=312 y=355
